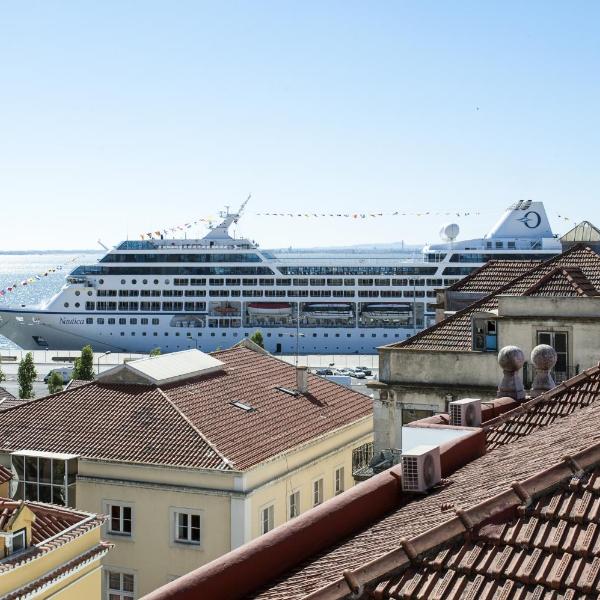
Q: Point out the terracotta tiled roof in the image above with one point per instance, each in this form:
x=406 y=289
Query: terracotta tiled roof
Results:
x=7 y=400
x=5 y=474
x=568 y=397
x=476 y=482
x=54 y=576
x=563 y=281
x=493 y=275
x=191 y=423
x=54 y=526
x=455 y=334
x=543 y=545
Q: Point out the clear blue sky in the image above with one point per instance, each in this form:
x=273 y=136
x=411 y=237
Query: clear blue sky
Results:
x=121 y=117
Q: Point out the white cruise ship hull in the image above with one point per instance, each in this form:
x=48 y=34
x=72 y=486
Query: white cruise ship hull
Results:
x=37 y=330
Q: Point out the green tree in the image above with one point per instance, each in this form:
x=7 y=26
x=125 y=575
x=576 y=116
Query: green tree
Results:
x=257 y=338
x=26 y=376
x=155 y=352
x=55 y=383
x=84 y=365
x=2 y=375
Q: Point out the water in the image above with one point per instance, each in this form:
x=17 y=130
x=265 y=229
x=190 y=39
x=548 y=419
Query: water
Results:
x=15 y=268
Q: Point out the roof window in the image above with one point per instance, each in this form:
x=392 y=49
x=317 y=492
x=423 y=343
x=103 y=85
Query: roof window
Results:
x=243 y=406
x=287 y=391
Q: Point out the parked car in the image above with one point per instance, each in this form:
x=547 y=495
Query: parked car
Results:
x=359 y=375
x=324 y=372
x=65 y=372
x=365 y=370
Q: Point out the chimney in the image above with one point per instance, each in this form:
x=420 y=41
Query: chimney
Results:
x=511 y=359
x=302 y=379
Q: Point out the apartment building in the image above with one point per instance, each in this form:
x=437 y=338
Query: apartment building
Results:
x=556 y=302
x=189 y=454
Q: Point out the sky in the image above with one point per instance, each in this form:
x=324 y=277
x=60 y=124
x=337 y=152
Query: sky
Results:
x=118 y=118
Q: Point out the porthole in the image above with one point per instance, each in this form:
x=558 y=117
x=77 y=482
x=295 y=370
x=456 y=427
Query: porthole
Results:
x=144 y=281
x=122 y=282
x=66 y=305
x=134 y=281
x=100 y=281
x=167 y=281
x=77 y=305
x=156 y=282
x=89 y=293
x=77 y=293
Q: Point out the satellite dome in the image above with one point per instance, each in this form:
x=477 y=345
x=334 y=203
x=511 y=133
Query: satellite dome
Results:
x=449 y=232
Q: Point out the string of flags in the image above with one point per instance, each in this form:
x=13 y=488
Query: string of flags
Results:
x=349 y=215
x=35 y=278
x=185 y=226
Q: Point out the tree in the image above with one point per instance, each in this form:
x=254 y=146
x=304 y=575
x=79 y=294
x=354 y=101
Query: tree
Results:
x=26 y=376
x=55 y=383
x=2 y=375
x=257 y=338
x=155 y=352
x=84 y=365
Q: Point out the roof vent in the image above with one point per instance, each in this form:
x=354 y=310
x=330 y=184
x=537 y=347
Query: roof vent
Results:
x=465 y=412
x=421 y=468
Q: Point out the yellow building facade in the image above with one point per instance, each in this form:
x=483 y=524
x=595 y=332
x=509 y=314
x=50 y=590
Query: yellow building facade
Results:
x=49 y=552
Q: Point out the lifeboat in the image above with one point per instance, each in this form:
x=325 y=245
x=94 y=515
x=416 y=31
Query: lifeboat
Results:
x=269 y=308
x=328 y=309
x=390 y=310
x=226 y=309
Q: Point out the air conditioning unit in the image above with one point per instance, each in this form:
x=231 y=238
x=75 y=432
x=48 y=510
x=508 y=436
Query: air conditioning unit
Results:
x=465 y=412
x=421 y=468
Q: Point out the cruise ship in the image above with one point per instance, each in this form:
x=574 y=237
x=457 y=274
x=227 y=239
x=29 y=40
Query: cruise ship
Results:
x=212 y=292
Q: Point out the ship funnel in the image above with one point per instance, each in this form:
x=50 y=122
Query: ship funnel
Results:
x=525 y=219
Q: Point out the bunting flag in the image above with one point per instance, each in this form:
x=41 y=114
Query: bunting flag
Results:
x=350 y=215
x=37 y=277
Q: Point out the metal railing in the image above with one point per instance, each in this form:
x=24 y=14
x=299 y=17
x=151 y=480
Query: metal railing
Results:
x=362 y=456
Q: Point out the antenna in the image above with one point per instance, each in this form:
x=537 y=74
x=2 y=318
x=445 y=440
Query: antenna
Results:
x=102 y=245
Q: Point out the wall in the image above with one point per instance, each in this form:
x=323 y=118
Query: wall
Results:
x=426 y=367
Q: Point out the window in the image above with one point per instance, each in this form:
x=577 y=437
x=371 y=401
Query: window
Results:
x=187 y=527
x=317 y=492
x=559 y=341
x=485 y=337
x=339 y=481
x=294 y=504
x=120 y=586
x=120 y=521
x=18 y=541
x=267 y=519
x=45 y=479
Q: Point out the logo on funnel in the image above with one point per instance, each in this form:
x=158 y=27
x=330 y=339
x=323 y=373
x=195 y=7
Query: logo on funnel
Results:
x=531 y=219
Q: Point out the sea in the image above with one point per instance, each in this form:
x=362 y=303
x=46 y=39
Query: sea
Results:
x=48 y=272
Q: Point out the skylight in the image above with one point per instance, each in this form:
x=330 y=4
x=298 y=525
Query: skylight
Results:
x=245 y=407
x=287 y=391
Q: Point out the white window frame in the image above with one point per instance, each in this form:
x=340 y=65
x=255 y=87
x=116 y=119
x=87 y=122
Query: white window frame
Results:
x=339 y=484
x=119 y=594
x=187 y=540
x=174 y=541
x=295 y=494
x=108 y=505
x=270 y=510
x=318 y=486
